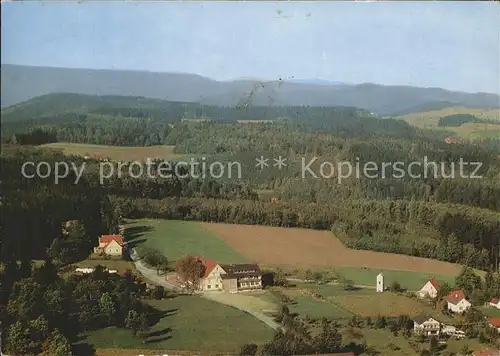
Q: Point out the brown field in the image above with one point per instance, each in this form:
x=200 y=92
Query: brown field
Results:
x=312 y=248
x=115 y=152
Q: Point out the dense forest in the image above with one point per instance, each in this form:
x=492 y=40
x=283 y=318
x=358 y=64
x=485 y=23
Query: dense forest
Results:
x=129 y=121
x=459 y=119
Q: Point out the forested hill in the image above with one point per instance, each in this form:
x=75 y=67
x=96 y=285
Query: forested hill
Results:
x=20 y=83
x=124 y=120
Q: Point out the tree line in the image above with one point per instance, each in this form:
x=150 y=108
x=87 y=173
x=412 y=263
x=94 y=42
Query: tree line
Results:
x=43 y=313
x=448 y=232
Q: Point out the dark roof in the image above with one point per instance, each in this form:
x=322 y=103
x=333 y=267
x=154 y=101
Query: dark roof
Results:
x=419 y=319
x=239 y=268
x=228 y=276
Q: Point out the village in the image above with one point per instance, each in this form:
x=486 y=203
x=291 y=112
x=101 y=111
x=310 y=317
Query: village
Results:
x=234 y=280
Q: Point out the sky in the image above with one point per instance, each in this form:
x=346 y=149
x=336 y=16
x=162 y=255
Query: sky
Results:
x=452 y=45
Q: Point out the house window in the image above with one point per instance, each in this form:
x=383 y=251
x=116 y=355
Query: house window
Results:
x=216 y=286
x=209 y=286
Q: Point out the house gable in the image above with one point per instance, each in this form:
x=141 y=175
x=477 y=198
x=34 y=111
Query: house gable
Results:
x=104 y=240
x=216 y=272
x=428 y=287
x=113 y=248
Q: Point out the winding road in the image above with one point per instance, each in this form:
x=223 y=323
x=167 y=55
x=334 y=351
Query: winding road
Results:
x=219 y=297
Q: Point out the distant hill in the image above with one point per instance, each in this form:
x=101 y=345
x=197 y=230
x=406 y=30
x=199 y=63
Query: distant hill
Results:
x=20 y=83
x=430 y=119
x=314 y=82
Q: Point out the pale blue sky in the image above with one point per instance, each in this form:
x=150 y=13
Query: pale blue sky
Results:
x=450 y=45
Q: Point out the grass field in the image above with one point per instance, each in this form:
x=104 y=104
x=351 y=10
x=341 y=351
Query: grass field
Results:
x=490 y=311
x=430 y=119
x=115 y=152
x=342 y=304
x=386 y=304
x=176 y=239
x=410 y=280
x=382 y=340
x=307 y=306
x=192 y=323
x=389 y=345
x=472 y=130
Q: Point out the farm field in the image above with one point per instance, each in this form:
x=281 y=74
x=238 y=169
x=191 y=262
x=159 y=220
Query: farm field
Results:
x=192 y=323
x=305 y=305
x=387 y=304
x=472 y=130
x=177 y=238
x=410 y=280
x=382 y=340
x=430 y=119
x=115 y=152
x=303 y=248
x=388 y=344
x=287 y=248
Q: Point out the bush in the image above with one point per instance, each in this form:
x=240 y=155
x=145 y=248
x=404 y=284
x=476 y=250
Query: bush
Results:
x=395 y=287
x=248 y=350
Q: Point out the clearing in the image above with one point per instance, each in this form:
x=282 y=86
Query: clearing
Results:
x=191 y=323
x=118 y=153
x=430 y=119
x=312 y=248
x=177 y=238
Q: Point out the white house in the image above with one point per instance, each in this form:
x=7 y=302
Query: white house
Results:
x=426 y=325
x=380 y=283
x=450 y=330
x=495 y=323
x=84 y=270
x=495 y=302
x=229 y=278
x=431 y=289
x=89 y=270
x=457 y=302
x=111 y=245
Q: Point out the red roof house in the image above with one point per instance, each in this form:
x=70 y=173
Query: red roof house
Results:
x=495 y=322
x=457 y=302
x=455 y=296
x=104 y=240
x=495 y=302
x=451 y=140
x=430 y=289
x=435 y=283
x=209 y=266
x=110 y=245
